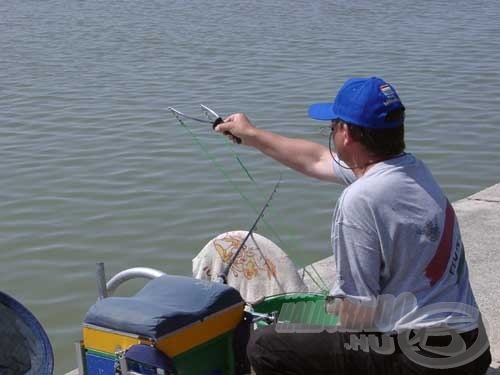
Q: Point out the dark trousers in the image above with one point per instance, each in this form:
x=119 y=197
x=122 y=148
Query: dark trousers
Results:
x=321 y=353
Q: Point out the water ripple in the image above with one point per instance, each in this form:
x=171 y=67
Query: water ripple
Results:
x=94 y=167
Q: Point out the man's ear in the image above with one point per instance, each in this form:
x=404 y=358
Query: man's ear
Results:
x=347 y=134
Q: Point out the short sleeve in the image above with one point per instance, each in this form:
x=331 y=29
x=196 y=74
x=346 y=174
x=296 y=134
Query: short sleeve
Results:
x=343 y=172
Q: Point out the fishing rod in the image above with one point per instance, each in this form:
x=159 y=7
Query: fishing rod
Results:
x=222 y=277
x=213 y=118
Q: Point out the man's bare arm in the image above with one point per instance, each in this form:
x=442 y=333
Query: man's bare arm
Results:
x=309 y=158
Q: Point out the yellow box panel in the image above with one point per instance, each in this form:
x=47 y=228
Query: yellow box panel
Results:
x=108 y=341
x=200 y=332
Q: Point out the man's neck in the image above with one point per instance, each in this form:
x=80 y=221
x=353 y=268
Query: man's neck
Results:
x=362 y=165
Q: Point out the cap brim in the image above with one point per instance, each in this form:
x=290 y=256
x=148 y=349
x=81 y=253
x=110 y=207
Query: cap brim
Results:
x=322 y=111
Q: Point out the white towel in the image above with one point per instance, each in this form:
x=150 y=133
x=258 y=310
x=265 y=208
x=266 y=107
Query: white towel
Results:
x=261 y=269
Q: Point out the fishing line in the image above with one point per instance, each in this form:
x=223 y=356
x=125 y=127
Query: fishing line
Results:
x=231 y=146
x=213 y=159
x=218 y=165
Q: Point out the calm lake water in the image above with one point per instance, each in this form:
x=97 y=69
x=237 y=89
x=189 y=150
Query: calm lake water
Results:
x=94 y=167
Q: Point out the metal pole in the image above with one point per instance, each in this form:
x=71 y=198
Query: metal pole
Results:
x=101 y=281
x=222 y=277
x=79 y=358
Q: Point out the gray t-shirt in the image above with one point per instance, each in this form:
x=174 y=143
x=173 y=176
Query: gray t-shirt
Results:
x=396 y=241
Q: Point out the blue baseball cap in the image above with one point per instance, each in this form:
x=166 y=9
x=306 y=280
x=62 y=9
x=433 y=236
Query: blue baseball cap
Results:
x=363 y=102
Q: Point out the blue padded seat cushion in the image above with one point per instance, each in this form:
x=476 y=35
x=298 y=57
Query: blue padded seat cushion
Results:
x=164 y=305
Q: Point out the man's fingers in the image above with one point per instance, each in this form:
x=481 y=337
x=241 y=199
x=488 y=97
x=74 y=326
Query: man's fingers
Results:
x=222 y=127
x=235 y=127
x=231 y=117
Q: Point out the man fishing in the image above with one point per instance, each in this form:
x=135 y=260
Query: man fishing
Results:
x=401 y=269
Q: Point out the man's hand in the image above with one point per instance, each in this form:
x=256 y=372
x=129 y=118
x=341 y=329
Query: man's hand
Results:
x=237 y=125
